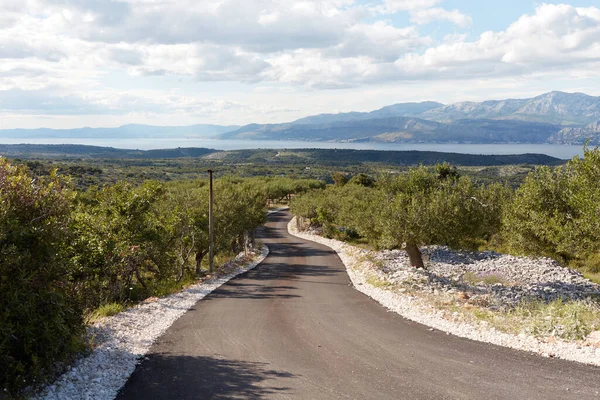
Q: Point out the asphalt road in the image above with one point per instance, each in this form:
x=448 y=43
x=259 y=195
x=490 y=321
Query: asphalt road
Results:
x=295 y=328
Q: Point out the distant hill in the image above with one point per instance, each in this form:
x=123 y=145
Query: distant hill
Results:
x=553 y=108
x=83 y=151
x=539 y=119
x=396 y=110
x=122 y=132
x=337 y=157
x=589 y=132
x=402 y=130
x=535 y=120
x=398 y=158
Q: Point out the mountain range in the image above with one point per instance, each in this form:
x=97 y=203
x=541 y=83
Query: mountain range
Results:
x=554 y=108
x=555 y=117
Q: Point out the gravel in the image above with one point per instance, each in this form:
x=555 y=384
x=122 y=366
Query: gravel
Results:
x=529 y=278
x=502 y=280
x=121 y=341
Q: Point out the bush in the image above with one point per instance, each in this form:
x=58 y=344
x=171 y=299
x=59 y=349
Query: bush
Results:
x=412 y=209
x=40 y=324
x=556 y=212
x=66 y=254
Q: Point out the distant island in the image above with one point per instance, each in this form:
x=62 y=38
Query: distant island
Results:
x=555 y=118
x=339 y=157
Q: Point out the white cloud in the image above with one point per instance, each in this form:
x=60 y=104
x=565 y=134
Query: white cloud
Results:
x=258 y=25
x=379 y=41
x=64 y=50
x=409 y=5
x=553 y=39
x=429 y=15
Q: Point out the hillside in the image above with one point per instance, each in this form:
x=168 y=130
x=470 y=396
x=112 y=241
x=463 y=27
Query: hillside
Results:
x=578 y=135
x=554 y=108
x=342 y=157
x=401 y=130
x=395 y=110
x=336 y=131
x=534 y=120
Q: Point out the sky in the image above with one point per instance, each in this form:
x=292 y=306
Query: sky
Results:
x=75 y=63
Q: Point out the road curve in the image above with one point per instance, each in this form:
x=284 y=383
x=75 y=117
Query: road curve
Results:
x=295 y=328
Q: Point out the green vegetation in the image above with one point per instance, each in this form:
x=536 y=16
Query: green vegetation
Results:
x=572 y=320
x=81 y=238
x=39 y=322
x=413 y=209
x=90 y=166
x=67 y=256
x=106 y=310
x=556 y=213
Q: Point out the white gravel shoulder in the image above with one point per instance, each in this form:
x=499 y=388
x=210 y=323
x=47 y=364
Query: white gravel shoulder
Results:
x=122 y=340
x=417 y=310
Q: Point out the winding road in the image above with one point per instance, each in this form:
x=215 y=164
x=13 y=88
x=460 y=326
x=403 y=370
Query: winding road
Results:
x=294 y=328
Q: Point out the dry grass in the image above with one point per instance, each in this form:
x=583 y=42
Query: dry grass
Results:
x=487 y=279
x=378 y=282
x=572 y=320
x=106 y=310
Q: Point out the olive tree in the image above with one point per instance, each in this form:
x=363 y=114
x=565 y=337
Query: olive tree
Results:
x=419 y=208
x=556 y=212
x=409 y=210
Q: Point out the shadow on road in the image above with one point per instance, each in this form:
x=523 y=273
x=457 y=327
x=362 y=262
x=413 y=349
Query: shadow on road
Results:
x=239 y=290
x=202 y=378
x=254 y=284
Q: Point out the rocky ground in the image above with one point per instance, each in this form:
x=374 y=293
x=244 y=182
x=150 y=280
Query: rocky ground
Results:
x=496 y=280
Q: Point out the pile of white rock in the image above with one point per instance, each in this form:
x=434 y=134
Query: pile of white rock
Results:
x=499 y=280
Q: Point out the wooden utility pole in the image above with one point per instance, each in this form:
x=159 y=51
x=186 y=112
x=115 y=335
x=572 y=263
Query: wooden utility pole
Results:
x=211 y=250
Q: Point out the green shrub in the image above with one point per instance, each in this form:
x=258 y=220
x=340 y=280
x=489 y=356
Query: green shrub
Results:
x=65 y=254
x=40 y=324
x=416 y=208
x=556 y=213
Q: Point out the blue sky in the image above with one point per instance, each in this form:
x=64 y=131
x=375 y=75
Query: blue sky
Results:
x=73 y=63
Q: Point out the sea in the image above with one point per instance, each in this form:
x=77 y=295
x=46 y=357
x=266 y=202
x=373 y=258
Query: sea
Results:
x=558 y=151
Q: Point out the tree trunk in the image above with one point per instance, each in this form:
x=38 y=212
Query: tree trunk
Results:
x=139 y=278
x=246 y=243
x=414 y=255
x=199 y=256
x=181 y=272
x=252 y=235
